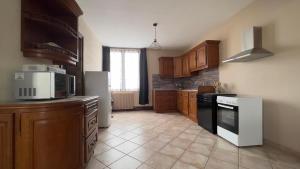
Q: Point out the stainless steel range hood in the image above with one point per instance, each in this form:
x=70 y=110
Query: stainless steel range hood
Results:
x=252 y=47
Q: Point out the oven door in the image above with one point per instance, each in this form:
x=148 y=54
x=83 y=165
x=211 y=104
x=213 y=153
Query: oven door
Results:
x=228 y=117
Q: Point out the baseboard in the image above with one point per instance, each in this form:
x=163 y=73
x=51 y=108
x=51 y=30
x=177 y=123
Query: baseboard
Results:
x=281 y=147
x=139 y=108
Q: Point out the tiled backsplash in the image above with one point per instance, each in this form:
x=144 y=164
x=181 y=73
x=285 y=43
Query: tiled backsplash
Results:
x=204 y=78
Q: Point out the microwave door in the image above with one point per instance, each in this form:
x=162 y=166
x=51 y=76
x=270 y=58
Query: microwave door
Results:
x=228 y=117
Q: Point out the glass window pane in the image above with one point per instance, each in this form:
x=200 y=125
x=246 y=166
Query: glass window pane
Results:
x=131 y=62
x=116 y=70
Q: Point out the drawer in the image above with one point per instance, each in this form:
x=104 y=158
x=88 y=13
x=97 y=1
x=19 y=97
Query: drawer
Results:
x=90 y=122
x=89 y=146
x=91 y=106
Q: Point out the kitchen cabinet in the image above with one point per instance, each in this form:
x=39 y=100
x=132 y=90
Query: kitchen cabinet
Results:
x=164 y=101
x=193 y=106
x=185 y=66
x=185 y=103
x=166 y=67
x=193 y=59
x=179 y=101
x=50 y=139
x=50 y=134
x=178 y=67
x=6 y=141
x=206 y=56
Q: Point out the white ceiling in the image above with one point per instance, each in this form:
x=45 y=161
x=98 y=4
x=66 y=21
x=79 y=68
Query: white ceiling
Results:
x=181 y=23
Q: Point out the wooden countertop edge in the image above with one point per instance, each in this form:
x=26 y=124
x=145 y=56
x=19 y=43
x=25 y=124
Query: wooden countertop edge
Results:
x=52 y=103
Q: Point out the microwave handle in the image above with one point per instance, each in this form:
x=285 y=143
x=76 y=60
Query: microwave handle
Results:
x=227 y=107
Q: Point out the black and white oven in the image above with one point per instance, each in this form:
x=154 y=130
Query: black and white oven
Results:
x=239 y=120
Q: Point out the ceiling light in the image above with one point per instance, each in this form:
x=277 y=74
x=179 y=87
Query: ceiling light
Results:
x=155 y=44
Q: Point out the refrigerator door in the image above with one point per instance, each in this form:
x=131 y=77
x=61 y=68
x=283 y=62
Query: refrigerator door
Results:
x=97 y=84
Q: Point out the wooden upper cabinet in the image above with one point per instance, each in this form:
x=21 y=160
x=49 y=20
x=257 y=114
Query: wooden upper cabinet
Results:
x=49 y=30
x=185 y=66
x=201 y=58
x=47 y=139
x=192 y=60
x=6 y=141
x=178 y=66
x=166 y=67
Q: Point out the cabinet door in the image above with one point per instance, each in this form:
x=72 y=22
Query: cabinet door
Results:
x=193 y=106
x=179 y=101
x=177 y=67
x=6 y=141
x=201 y=57
x=192 y=60
x=50 y=139
x=166 y=67
x=185 y=103
x=185 y=66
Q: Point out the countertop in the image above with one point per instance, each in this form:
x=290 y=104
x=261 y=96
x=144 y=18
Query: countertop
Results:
x=19 y=103
x=187 y=90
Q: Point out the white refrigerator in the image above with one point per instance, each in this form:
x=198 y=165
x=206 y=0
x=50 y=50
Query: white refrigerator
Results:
x=98 y=84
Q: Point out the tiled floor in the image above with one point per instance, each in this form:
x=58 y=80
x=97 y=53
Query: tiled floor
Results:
x=147 y=140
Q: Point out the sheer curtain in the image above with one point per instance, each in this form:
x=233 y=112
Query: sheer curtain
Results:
x=124 y=69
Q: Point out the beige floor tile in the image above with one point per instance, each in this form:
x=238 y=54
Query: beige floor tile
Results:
x=181 y=143
x=205 y=140
x=187 y=136
x=164 y=138
x=214 y=163
x=195 y=159
x=254 y=162
x=192 y=131
x=254 y=151
x=172 y=151
x=110 y=156
x=125 y=162
x=200 y=148
x=142 y=154
x=144 y=166
x=100 y=148
x=160 y=161
x=95 y=164
x=127 y=135
x=114 y=141
x=225 y=155
x=127 y=147
x=154 y=145
x=182 y=165
x=223 y=144
x=141 y=139
x=103 y=136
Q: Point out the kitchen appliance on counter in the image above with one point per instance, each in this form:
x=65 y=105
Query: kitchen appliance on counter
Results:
x=98 y=84
x=40 y=85
x=240 y=120
x=207 y=110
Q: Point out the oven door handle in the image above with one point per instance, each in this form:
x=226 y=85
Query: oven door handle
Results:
x=227 y=107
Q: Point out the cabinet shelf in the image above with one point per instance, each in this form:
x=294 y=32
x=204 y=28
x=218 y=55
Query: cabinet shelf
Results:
x=51 y=52
x=51 y=23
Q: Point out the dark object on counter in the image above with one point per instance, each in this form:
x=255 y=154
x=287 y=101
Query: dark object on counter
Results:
x=206 y=89
x=207 y=110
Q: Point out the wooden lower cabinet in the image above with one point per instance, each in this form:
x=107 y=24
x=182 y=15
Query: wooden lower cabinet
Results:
x=50 y=139
x=164 y=101
x=6 y=141
x=193 y=106
x=187 y=104
x=59 y=134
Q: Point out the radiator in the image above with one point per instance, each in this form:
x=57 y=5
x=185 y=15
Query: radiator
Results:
x=123 y=100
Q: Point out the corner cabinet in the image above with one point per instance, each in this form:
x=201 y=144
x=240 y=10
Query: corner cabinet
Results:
x=164 y=101
x=48 y=134
x=205 y=56
x=6 y=141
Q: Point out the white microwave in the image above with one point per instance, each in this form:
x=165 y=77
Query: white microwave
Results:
x=43 y=85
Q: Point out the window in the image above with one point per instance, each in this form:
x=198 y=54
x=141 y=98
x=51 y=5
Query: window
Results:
x=124 y=69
